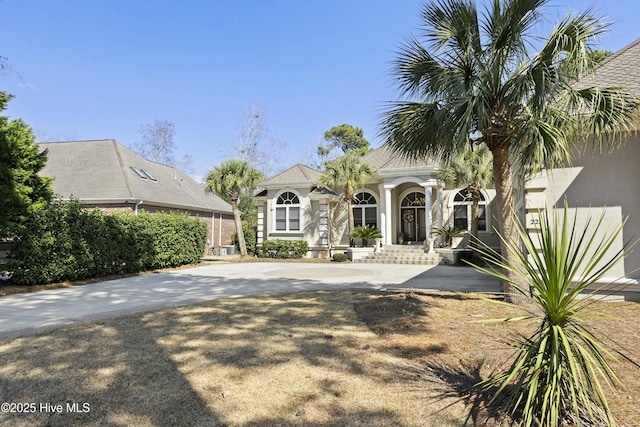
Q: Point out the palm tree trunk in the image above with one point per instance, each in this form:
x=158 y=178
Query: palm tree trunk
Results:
x=508 y=227
x=239 y=232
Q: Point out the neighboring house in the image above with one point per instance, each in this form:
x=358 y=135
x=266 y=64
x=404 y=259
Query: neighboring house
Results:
x=105 y=174
x=600 y=182
x=404 y=200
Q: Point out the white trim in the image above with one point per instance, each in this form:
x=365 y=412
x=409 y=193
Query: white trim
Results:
x=451 y=203
x=287 y=216
x=376 y=205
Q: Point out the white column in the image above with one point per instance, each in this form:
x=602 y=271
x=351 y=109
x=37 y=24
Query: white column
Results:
x=439 y=210
x=387 y=208
x=382 y=214
x=440 y=206
x=428 y=206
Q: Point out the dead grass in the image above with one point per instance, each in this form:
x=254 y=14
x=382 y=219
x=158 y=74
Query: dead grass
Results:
x=352 y=358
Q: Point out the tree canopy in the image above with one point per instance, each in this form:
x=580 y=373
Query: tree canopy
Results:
x=473 y=170
x=348 y=173
x=231 y=180
x=346 y=138
x=256 y=144
x=21 y=186
x=157 y=143
x=471 y=77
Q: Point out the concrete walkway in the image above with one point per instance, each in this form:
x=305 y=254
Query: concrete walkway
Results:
x=29 y=313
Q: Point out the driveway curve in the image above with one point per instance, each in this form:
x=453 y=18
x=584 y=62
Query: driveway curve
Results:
x=32 y=312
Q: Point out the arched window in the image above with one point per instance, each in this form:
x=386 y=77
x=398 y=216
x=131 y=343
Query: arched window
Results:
x=462 y=211
x=288 y=212
x=365 y=209
x=414 y=199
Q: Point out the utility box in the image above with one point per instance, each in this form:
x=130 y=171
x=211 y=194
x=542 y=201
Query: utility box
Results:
x=227 y=250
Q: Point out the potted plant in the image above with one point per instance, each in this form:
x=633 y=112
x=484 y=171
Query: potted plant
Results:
x=448 y=234
x=365 y=233
x=451 y=239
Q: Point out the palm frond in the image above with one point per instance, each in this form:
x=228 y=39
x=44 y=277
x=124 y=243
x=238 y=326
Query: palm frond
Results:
x=419 y=130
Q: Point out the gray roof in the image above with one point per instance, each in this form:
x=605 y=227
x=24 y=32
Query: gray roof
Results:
x=384 y=158
x=101 y=172
x=618 y=70
x=296 y=174
x=381 y=159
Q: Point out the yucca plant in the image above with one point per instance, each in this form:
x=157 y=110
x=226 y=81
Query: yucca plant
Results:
x=556 y=374
x=366 y=233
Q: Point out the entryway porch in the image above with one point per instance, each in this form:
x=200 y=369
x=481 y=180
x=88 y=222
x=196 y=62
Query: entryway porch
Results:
x=402 y=254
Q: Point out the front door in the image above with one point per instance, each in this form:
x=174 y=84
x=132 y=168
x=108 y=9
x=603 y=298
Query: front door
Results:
x=413 y=224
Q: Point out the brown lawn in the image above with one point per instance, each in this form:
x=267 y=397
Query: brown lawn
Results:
x=352 y=358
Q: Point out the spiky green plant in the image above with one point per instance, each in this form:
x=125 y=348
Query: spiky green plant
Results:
x=557 y=373
x=448 y=233
x=366 y=233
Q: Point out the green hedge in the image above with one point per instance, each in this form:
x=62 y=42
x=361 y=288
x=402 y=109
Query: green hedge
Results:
x=250 y=239
x=340 y=257
x=278 y=248
x=68 y=242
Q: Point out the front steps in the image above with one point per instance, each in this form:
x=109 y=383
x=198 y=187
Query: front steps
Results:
x=402 y=254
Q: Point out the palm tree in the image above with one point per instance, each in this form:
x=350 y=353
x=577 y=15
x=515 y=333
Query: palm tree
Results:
x=476 y=81
x=349 y=173
x=473 y=169
x=230 y=180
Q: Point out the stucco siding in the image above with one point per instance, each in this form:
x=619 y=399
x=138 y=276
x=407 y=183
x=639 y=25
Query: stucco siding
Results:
x=596 y=184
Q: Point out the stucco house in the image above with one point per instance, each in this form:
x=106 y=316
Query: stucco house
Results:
x=597 y=182
x=405 y=201
x=107 y=175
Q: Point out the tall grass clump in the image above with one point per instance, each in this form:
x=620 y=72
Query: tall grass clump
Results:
x=557 y=374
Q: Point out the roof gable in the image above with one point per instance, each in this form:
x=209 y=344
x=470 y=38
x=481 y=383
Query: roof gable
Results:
x=103 y=171
x=618 y=70
x=296 y=174
x=384 y=158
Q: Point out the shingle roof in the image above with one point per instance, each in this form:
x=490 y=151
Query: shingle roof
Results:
x=296 y=174
x=622 y=69
x=384 y=158
x=102 y=171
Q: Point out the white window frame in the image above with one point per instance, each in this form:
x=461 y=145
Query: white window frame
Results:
x=363 y=216
x=482 y=204
x=287 y=208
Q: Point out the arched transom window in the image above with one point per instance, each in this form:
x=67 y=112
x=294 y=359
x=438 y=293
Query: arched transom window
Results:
x=414 y=199
x=288 y=212
x=365 y=209
x=462 y=211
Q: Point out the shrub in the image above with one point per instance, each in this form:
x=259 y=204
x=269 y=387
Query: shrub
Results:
x=554 y=378
x=68 y=242
x=166 y=240
x=340 y=257
x=250 y=239
x=278 y=248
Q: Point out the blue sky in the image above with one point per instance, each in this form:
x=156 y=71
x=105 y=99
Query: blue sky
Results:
x=97 y=69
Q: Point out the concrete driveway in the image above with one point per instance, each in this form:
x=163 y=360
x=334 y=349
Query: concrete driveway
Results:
x=28 y=313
